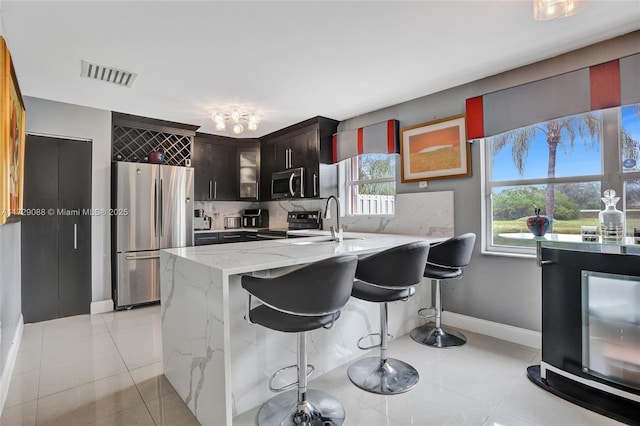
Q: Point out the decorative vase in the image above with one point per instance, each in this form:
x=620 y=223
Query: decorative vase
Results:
x=611 y=219
x=156 y=157
x=538 y=225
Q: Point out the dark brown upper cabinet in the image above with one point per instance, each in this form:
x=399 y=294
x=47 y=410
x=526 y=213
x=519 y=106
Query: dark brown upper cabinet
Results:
x=215 y=164
x=307 y=144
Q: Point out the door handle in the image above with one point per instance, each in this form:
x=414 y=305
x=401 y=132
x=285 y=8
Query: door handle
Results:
x=142 y=257
x=155 y=208
x=75 y=236
x=290 y=157
x=210 y=190
x=215 y=190
x=315 y=184
x=291 y=184
x=161 y=210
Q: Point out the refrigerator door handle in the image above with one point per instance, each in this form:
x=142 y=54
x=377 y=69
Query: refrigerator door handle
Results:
x=155 y=208
x=142 y=257
x=75 y=236
x=161 y=209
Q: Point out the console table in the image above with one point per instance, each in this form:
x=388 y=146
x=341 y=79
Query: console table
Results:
x=591 y=325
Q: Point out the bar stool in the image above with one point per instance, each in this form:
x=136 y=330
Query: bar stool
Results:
x=446 y=260
x=302 y=300
x=381 y=278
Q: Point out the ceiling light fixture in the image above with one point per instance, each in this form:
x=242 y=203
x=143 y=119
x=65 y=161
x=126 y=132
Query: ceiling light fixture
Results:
x=238 y=118
x=549 y=9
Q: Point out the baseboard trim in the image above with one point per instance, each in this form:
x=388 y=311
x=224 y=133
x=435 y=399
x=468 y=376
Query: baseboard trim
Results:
x=521 y=336
x=7 y=371
x=101 y=306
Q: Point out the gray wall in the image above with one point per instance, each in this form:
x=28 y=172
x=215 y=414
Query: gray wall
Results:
x=10 y=301
x=10 y=294
x=74 y=121
x=494 y=288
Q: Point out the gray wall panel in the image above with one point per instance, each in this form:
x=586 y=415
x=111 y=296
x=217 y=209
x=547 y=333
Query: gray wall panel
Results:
x=630 y=79
x=539 y=101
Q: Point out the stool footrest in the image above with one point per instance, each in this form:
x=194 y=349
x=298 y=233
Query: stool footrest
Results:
x=310 y=370
x=376 y=345
x=429 y=312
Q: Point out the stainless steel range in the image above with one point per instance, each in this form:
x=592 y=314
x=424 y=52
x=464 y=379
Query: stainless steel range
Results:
x=299 y=220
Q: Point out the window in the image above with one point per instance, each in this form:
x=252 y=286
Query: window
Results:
x=561 y=166
x=370 y=184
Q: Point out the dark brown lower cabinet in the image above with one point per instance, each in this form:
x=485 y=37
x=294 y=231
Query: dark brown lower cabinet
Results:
x=56 y=228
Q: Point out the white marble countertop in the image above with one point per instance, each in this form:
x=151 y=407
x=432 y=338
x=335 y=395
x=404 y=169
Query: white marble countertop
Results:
x=239 y=258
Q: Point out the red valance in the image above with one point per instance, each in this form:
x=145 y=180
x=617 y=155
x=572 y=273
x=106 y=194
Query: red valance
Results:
x=606 y=85
x=376 y=138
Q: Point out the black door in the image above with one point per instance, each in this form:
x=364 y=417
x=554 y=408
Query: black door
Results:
x=56 y=229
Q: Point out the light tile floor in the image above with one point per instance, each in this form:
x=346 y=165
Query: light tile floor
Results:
x=107 y=370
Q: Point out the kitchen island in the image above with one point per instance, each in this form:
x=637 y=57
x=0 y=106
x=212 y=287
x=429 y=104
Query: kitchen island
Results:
x=218 y=363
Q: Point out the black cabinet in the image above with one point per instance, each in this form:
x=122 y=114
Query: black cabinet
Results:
x=308 y=145
x=206 y=238
x=56 y=238
x=215 y=166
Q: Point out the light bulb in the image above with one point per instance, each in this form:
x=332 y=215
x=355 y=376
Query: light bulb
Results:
x=550 y=9
x=218 y=118
x=252 y=126
x=235 y=115
x=237 y=129
x=220 y=126
x=254 y=118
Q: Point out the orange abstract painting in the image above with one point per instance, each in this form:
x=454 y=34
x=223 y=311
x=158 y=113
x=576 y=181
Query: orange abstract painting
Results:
x=435 y=150
x=12 y=133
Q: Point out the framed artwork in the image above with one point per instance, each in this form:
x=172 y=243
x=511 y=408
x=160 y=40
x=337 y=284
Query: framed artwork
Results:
x=12 y=139
x=435 y=150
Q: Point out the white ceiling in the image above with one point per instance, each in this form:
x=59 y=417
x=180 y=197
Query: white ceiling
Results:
x=290 y=60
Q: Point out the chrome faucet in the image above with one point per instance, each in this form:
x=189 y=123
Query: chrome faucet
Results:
x=336 y=235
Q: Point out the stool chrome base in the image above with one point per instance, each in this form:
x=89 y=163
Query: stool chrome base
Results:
x=388 y=377
x=320 y=409
x=437 y=337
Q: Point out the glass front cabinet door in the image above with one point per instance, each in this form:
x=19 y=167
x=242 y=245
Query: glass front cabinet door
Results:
x=249 y=166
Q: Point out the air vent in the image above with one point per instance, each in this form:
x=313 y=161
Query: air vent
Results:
x=108 y=74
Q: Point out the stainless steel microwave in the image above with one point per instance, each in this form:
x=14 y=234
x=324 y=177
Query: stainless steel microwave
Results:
x=288 y=184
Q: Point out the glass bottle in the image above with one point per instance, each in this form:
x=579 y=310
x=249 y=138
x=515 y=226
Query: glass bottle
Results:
x=611 y=219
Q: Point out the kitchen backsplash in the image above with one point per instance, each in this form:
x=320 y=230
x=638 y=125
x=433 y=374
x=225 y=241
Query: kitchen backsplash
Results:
x=420 y=213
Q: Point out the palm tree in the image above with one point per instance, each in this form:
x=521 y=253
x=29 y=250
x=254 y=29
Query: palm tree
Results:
x=560 y=132
x=630 y=146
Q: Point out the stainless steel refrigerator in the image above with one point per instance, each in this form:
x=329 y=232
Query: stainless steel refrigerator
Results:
x=152 y=209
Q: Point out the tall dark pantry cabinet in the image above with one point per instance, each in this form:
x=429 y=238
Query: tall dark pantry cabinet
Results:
x=56 y=228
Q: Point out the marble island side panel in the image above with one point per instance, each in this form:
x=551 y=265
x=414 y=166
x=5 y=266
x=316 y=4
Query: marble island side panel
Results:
x=193 y=349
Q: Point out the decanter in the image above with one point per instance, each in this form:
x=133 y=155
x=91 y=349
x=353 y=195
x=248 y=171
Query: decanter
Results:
x=611 y=219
